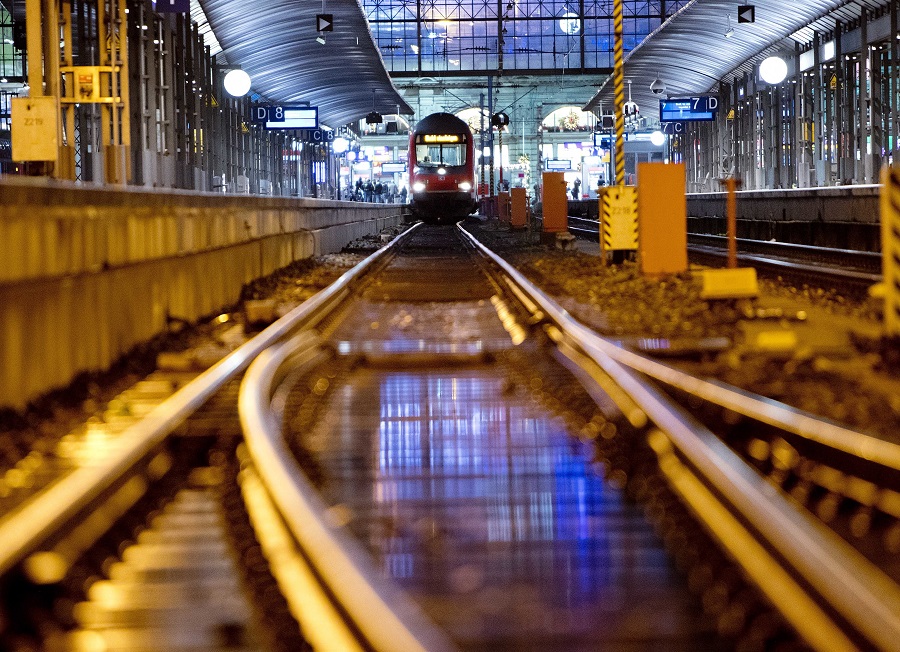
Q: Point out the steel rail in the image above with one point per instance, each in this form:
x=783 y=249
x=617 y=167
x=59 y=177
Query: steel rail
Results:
x=872 y=259
x=792 y=266
x=380 y=612
x=850 y=586
x=385 y=617
x=26 y=529
x=750 y=253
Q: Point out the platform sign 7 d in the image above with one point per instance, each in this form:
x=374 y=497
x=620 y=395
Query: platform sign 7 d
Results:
x=688 y=109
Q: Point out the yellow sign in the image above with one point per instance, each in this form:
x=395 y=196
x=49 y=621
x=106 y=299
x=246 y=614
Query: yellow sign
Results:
x=441 y=138
x=86 y=83
x=730 y=115
x=35 y=127
x=833 y=83
x=618 y=215
x=737 y=283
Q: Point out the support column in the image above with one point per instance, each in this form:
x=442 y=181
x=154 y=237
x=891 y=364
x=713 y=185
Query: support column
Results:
x=877 y=114
x=895 y=84
x=865 y=123
x=837 y=110
x=66 y=167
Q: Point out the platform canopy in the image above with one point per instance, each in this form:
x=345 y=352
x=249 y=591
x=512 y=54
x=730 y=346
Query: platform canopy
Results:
x=275 y=43
x=690 y=53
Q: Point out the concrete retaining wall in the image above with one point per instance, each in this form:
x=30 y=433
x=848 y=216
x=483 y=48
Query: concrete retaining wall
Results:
x=844 y=216
x=88 y=273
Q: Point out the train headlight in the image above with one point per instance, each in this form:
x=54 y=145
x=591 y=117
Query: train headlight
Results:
x=418 y=186
x=465 y=186
x=442 y=170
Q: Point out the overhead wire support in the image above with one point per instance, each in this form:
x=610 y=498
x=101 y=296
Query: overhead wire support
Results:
x=619 y=92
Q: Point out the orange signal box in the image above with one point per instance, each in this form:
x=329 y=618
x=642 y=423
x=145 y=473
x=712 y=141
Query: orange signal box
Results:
x=503 y=206
x=519 y=215
x=555 y=202
x=662 y=218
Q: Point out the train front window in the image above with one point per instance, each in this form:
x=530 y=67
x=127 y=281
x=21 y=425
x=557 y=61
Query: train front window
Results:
x=446 y=154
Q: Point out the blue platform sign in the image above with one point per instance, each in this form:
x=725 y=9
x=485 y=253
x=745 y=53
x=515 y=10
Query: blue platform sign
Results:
x=688 y=109
x=276 y=116
x=173 y=6
x=317 y=135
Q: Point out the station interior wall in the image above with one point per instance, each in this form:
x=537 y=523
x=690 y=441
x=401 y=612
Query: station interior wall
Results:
x=832 y=121
x=185 y=130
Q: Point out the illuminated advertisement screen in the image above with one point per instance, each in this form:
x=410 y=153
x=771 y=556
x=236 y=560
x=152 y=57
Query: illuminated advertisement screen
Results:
x=559 y=164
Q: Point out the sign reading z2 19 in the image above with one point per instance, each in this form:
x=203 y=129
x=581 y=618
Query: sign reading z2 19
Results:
x=688 y=109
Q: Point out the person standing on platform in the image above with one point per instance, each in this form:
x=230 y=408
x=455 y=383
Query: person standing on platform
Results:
x=576 y=189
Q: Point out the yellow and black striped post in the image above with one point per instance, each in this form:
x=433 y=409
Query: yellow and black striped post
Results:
x=619 y=91
x=890 y=249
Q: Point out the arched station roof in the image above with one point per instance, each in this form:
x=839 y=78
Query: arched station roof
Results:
x=691 y=54
x=275 y=43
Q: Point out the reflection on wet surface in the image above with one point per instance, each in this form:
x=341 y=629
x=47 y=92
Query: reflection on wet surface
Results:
x=488 y=512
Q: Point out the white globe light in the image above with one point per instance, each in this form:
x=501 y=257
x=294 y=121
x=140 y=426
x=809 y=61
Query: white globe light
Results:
x=570 y=23
x=340 y=145
x=237 y=83
x=773 y=70
x=657 y=138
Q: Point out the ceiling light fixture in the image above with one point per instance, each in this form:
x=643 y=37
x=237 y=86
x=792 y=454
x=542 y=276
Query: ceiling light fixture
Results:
x=773 y=70
x=237 y=83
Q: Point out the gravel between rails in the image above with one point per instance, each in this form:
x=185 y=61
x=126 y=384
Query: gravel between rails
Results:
x=857 y=385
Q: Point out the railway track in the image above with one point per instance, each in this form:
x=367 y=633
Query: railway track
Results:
x=850 y=270
x=420 y=420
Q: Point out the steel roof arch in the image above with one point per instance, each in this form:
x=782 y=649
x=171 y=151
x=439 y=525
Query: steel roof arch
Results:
x=275 y=43
x=690 y=53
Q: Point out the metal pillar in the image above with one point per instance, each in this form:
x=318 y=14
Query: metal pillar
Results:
x=115 y=124
x=865 y=123
x=43 y=53
x=491 y=132
x=895 y=83
x=481 y=136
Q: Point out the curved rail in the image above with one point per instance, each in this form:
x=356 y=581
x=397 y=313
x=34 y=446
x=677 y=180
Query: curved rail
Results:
x=384 y=616
x=806 y=570
x=381 y=615
x=48 y=513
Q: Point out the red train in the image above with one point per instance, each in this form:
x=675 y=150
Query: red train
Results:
x=442 y=168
